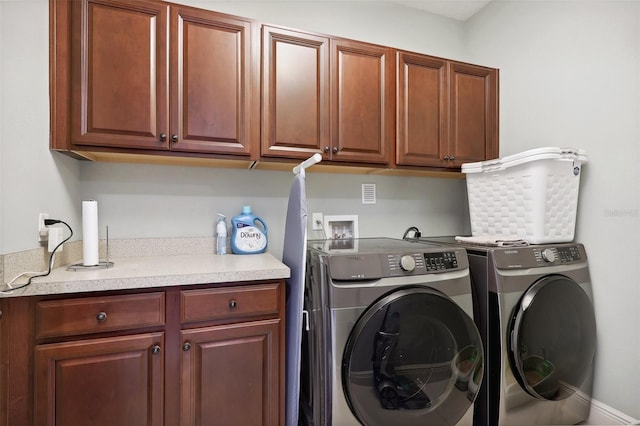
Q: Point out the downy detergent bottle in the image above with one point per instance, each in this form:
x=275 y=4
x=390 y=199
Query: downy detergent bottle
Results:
x=246 y=237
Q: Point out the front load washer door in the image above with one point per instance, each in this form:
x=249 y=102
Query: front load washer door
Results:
x=552 y=338
x=414 y=357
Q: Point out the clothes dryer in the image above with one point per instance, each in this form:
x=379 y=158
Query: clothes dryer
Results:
x=391 y=338
x=536 y=317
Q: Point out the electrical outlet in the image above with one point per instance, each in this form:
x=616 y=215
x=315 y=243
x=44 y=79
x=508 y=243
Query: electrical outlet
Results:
x=43 y=231
x=316 y=221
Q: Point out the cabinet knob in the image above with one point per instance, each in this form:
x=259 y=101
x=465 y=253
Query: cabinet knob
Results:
x=233 y=304
x=326 y=149
x=186 y=346
x=446 y=158
x=452 y=158
x=163 y=137
x=155 y=349
x=174 y=138
x=102 y=316
x=0 y=314
x=335 y=149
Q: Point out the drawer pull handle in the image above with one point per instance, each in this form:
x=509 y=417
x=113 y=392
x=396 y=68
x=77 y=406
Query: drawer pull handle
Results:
x=155 y=349
x=186 y=346
x=233 y=304
x=102 y=316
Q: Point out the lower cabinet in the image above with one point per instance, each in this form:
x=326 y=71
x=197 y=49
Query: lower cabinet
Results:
x=101 y=382
x=239 y=364
x=196 y=355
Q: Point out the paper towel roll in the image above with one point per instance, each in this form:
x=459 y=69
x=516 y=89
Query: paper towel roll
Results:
x=90 y=255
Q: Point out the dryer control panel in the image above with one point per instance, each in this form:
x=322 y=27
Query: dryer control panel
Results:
x=539 y=256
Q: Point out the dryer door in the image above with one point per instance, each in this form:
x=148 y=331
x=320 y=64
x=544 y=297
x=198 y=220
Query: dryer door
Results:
x=414 y=357
x=552 y=338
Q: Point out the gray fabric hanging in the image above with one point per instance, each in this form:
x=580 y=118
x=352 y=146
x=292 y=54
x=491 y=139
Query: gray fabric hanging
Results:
x=294 y=256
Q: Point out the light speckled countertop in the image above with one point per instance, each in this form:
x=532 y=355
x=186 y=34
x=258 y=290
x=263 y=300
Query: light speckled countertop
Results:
x=157 y=271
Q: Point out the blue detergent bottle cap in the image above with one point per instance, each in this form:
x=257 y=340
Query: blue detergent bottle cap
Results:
x=246 y=209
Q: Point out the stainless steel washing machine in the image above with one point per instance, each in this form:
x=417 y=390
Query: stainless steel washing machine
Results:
x=391 y=338
x=536 y=317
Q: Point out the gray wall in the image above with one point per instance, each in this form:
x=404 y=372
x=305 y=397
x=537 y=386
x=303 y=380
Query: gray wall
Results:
x=569 y=77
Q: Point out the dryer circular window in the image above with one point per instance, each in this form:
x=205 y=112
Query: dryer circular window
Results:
x=552 y=338
x=414 y=357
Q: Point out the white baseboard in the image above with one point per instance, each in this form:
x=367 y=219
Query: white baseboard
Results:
x=603 y=415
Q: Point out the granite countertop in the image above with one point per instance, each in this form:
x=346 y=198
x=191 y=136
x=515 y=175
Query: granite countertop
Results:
x=157 y=271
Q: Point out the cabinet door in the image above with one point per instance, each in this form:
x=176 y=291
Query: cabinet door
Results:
x=422 y=114
x=295 y=90
x=119 y=73
x=213 y=83
x=102 y=382
x=362 y=102
x=474 y=113
x=231 y=375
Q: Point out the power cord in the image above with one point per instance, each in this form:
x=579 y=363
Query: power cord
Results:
x=47 y=222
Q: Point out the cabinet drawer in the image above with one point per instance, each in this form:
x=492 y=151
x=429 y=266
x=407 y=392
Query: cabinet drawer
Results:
x=97 y=314
x=228 y=303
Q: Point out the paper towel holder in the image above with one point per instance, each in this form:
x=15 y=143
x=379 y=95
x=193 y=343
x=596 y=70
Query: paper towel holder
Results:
x=104 y=264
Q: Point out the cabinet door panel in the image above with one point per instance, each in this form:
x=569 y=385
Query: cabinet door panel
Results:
x=102 y=382
x=231 y=375
x=295 y=90
x=212 y=80
x=363 y=78
x=119 y=72
x=422 y=110
x=474 y=115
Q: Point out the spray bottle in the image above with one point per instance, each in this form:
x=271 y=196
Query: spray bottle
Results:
x=221 y=234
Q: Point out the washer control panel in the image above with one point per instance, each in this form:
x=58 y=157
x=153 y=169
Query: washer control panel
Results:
x=441 y=261
x=372 y=266
x=421 y=263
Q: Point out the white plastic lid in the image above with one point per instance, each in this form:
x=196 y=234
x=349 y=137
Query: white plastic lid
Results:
x=545 y=153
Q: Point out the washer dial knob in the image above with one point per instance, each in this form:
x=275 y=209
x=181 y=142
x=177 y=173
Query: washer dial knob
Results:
x=548 y=255
x=407 y=263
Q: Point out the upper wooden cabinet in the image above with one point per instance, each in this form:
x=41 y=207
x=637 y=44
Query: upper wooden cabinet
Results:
x=473 y=93
x=295 y=93
x=325 y=95
x=214 y=83
x=447 y=112
x=146 y=75
x=362 y=102
x=152 y=77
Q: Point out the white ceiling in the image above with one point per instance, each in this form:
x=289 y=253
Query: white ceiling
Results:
x=456 y=9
